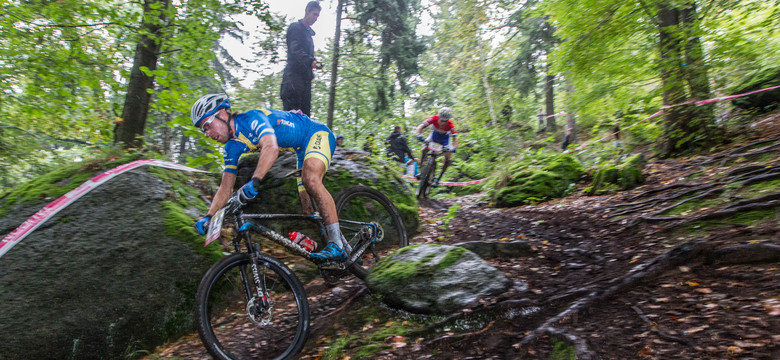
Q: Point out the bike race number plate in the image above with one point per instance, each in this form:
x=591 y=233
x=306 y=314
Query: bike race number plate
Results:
x=215 y=225
x=434 y=146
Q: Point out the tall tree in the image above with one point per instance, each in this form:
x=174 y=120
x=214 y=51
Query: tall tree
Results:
x=129 y=131
x=334 y=66
x=390 y=23
x=537 y=40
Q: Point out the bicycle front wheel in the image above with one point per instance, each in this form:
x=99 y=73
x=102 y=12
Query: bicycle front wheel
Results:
x=248 y=314
x=359 y=205
x=427 y=177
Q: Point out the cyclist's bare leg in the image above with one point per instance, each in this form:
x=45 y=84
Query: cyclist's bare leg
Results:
x=447 y=161
x=313 y=172
x=422 y=157
x=306 y=205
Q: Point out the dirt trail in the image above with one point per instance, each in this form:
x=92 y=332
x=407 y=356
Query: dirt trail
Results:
x=607 y=287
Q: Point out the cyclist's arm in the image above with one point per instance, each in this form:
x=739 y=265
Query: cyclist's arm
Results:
x=420 y=128
x=223 y=193
x=269 y=151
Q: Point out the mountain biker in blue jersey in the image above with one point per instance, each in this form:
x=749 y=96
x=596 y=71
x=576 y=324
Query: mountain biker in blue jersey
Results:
x=267 y=131
x=443 y=128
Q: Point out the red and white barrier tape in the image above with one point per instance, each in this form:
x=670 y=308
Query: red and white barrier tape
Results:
x=447 y=183
x=697 y=102
x=10 y=240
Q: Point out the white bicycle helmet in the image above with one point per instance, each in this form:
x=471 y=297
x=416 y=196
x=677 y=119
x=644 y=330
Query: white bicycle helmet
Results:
x=206 y=106
x=445 y=113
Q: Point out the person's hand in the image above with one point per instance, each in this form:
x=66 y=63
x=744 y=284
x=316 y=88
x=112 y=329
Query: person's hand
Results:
x=420 y=138
x=453 y=149
x=202 y=225
x=249 y=191
x=316 y=65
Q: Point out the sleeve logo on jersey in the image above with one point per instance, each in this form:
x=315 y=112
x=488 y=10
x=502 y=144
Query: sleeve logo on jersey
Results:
x=285 y=123
x=254 y=125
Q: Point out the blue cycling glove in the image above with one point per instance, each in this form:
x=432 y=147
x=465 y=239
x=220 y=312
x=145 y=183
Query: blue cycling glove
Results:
x=202 y=225
x=249 y=191
x=420 y=138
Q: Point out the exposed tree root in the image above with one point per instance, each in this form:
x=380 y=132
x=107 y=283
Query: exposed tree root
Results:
x=656 y=328
x=675 y=256
x=745 y=254
x=322 y=320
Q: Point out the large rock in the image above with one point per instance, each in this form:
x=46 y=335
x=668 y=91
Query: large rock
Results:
x=531 y=181
x=110 y=274
x=435 y=279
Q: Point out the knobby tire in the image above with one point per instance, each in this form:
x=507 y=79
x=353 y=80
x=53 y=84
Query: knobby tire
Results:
x=223 y=321
x=363 y=204
x=428 y=173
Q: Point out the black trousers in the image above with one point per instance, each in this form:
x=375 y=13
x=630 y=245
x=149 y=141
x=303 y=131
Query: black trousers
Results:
x=296 y=94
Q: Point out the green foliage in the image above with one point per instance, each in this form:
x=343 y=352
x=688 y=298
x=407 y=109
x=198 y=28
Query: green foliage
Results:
x=756 y=80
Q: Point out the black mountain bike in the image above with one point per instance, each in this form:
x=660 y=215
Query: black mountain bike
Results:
x=250 y=305
x=428 y=173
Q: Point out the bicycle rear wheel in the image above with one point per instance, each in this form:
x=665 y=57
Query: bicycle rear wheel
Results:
x=235 y=325
x=361 y=204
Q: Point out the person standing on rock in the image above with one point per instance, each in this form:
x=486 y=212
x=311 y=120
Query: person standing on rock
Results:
x=296 y=80
x=267 y=131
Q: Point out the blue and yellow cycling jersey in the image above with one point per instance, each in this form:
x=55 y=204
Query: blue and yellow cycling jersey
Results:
x=308 y=138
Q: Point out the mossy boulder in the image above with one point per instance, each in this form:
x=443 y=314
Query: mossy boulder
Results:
x=756 y=80
x=623 y=176
x=528 y=182
x=110 y=275
x=434 y=279
x=348 y=168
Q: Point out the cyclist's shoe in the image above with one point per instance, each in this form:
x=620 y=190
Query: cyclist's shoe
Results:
x=331 y=252
x=436 y=183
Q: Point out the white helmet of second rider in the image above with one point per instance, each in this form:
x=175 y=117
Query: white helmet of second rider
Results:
x=445 y=113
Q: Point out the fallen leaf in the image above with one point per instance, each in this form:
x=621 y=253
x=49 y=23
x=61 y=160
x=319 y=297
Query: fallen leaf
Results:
x=704 y=290
x=692 y=283
x=735 y=350
x=694 y=330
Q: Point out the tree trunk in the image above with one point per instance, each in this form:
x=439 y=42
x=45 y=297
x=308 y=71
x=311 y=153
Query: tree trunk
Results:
x=676 y=118
x=549 y=81
x=167 y=136
x=570 y=121
x=697 y=73
x=130 y=130
x=334 y=64
x=488 y=92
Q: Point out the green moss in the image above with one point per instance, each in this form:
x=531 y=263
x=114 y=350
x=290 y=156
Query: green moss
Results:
x=179 y=226
x=60 y=181
x=539 y=178
x=452 y=257
x=611 y=178
x=562 y=351
x=336 y=348
x=368 y=351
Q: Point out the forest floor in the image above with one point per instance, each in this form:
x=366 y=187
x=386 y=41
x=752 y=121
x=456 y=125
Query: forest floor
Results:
x=611 y=276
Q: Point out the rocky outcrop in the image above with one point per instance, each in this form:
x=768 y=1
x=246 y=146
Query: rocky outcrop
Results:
x=102 y=278
x=434 y=279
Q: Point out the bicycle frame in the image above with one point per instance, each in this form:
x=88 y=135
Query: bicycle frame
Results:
x=244 y=225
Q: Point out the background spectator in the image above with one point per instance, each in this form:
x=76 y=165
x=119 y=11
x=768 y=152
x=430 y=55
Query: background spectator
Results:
x=296 y=81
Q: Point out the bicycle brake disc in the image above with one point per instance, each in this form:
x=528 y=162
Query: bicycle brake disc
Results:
x=261 y=317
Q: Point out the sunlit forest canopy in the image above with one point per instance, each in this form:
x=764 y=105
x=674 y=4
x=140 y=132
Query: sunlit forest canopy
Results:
x=80 y=78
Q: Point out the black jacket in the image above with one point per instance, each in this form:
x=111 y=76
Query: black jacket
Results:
x=398 y=147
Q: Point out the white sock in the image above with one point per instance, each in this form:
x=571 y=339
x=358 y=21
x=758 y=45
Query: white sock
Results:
x=334 y=234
